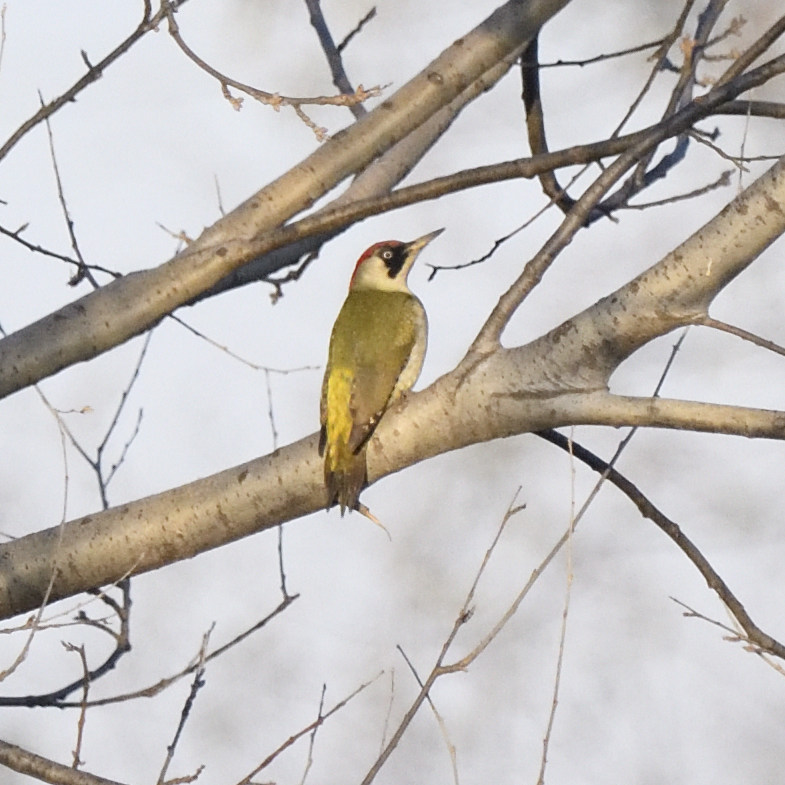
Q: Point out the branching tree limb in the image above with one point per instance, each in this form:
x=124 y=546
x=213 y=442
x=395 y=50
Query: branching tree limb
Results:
x=558 y=379
x=130 y=305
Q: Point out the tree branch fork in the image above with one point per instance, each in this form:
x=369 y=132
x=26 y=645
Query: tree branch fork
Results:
x=558 y=379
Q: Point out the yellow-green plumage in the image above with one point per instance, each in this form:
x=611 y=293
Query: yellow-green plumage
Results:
x=377 y=348
x=376 y=352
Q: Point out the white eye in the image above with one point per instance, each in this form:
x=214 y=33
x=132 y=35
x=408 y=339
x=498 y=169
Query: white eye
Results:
x=387 y=254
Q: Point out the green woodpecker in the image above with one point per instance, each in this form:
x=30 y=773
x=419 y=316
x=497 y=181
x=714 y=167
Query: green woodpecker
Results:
x=376 y=352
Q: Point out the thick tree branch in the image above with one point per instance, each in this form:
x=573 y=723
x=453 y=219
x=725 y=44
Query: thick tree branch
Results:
x=131 y=305
x=373 y=182
x=533 y=271
x=556 y=380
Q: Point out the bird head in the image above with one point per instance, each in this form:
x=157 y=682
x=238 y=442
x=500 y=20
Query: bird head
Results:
x=385 y=266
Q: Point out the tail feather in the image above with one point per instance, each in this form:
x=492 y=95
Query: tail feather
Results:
x=345 y=476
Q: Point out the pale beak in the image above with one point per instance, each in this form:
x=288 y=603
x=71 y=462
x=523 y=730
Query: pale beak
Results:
x=415 y=246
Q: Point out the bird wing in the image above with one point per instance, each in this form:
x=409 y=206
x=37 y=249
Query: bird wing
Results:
x=361 y=375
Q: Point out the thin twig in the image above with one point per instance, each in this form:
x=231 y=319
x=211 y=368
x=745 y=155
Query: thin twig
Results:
x=162 y=684
x=754 y=51
x=708 y=321
x=34 y=623
x=16 y=236
x=357 y=29
x=122 y=647
x=96 y=464
x=83 y=271
x=80 y=650
x=603 y=57
x=247 y=780
x=720 y=182
x=499 y=242
x=735 y=635
x=452 y=752
x=2 y=34
x=197 y=684
x=226 y=350
x=270 y=99
x=660 y=59
x=312 y=739
x=671 y=528
x=562 y=631
x=439 y=669
x=149 y=22
x=104 y=481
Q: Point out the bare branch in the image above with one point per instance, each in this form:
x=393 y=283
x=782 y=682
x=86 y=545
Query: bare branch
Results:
x=357 y=29
x=747 y=58
x=271 y=99
x=104 y=319
x=83 y=271
x=122 y=646
x=439 y=669
x=94 y=72
x=196 y=685
x=154 y=689
x=41 y=768
x=320 y=720
x=333 y=55
x=672 y=529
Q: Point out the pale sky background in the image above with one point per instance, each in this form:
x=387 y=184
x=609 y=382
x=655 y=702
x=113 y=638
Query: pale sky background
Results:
x=647 y=696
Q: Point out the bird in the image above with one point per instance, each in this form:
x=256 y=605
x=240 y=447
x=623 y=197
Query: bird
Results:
x=376 y=353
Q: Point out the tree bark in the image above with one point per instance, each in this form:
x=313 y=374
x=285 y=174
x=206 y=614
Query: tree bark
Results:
x=558 y=379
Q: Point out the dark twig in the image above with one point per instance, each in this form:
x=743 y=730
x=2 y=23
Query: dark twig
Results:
x=357 y=28
x=535 y=124
x=642 y=176
x=598 y=58
x=334 y=60
x=291 y=275
x=738 y=161
x=755 y=635
x=197 y=684
x=82 y=271
x=720 y=182
x=122 y=646
x=162 y=684
x=499 y=242
x=16 y=235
